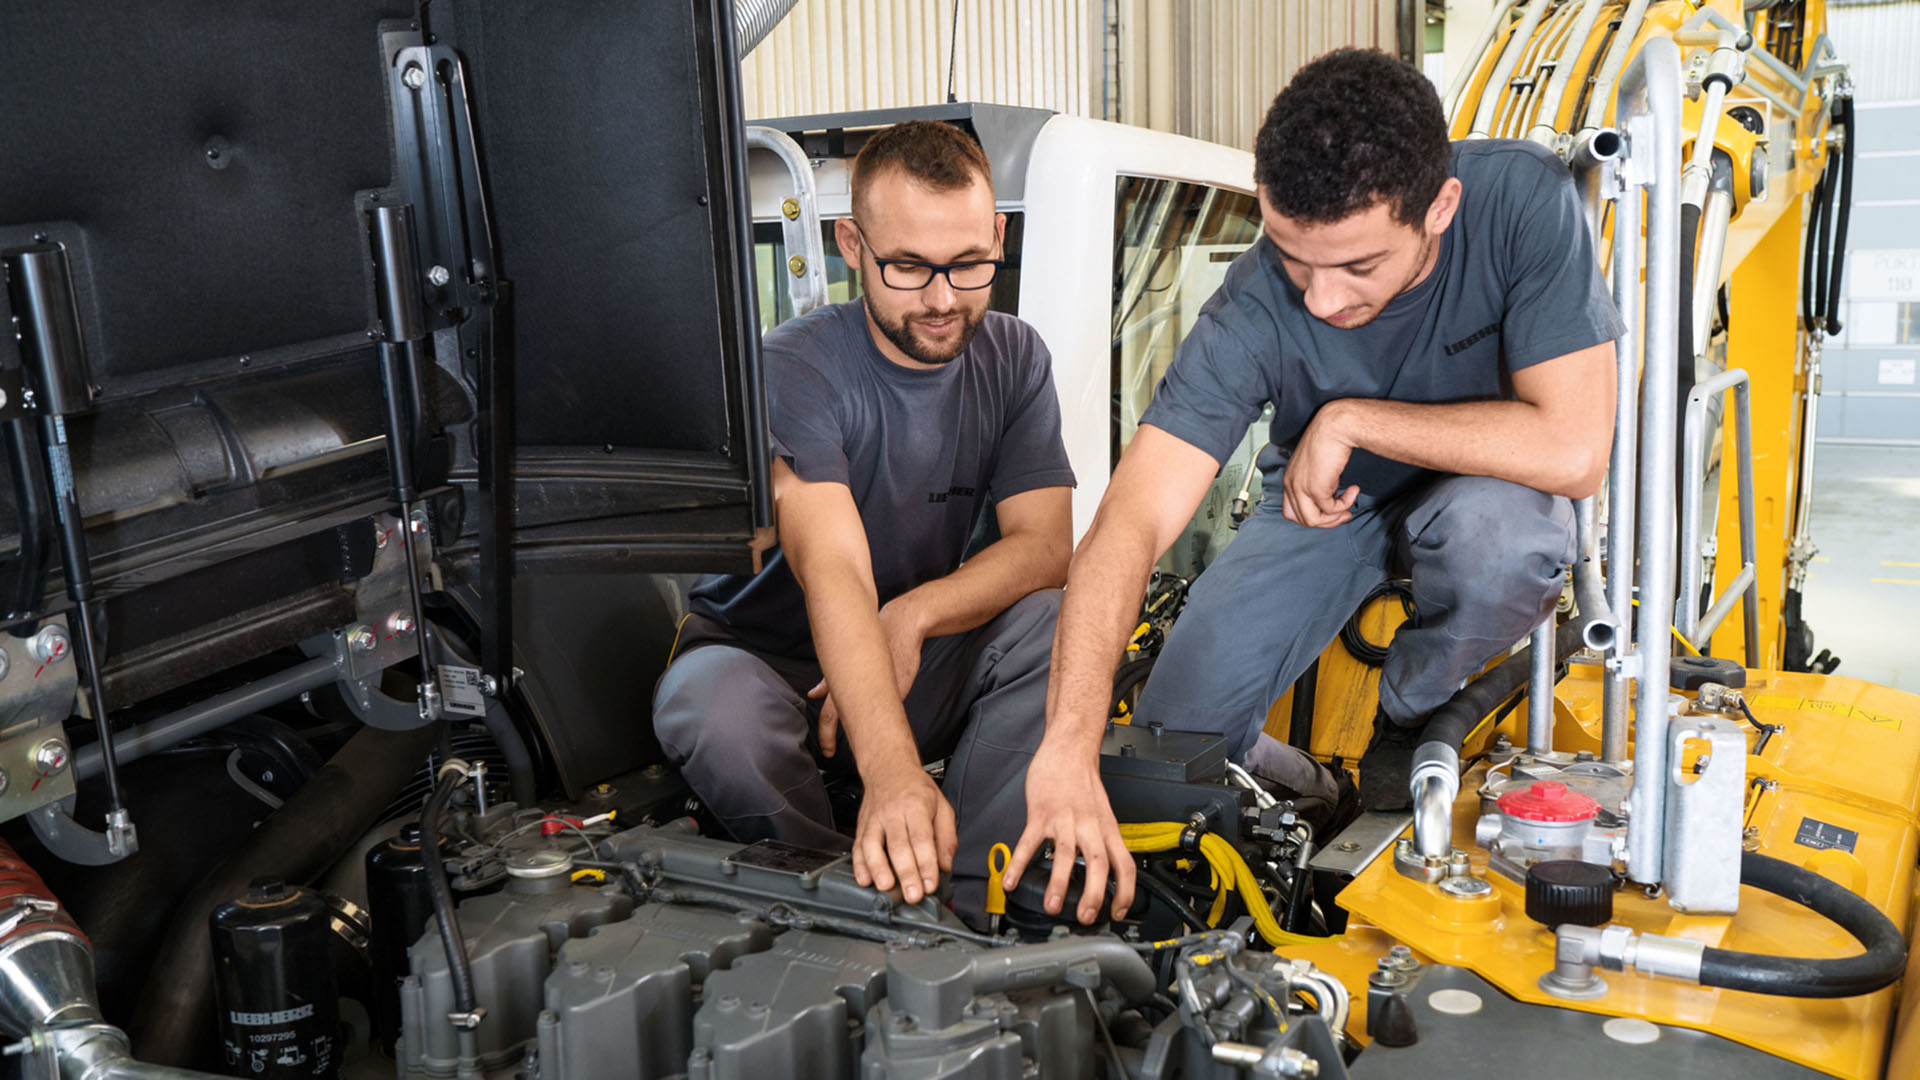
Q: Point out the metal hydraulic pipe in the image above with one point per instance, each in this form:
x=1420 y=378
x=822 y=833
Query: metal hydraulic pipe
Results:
x=1650 y=94
x=1540 y=682
x=1725 y=67
x=1594 y=154
x=1435 y=785
x=218 y=711
x=1602 y=626
x=1710 y=255
x=1610 y=68
x=1458 y=84
x=1496 y=86
x=1545 y=122
x=1622 y=489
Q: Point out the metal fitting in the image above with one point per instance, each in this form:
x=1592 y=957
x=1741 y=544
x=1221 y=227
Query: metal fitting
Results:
x=360 y=638
x=51 y=645
x=400 y=623
x=414 y=76
x=467 y=1021
x=1578 y=950
x=438 y=276
x=417 y=521
x=1280 y=1061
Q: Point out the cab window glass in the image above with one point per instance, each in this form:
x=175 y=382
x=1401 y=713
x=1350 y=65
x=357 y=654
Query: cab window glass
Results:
x=1172 y=245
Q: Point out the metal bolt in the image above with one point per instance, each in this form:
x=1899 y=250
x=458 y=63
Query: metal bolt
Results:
x=796 y=265
x=790 y=206
x=1402 y=957
x=418 y=522
x=50 y=756
x=489 y=686
x=414 y=76
x=50 y=645
x=360 y=638
x=379 y=538
x=1348 y=847
x=400 y=623
x=4 y=780
x=438 y=275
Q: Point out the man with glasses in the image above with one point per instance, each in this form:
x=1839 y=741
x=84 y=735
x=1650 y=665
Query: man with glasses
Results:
x=903 y=422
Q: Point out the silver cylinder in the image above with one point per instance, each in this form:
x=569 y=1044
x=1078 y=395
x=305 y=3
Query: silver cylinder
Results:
x=1650 y=94
x=1603 y=83
x=1544 y=126
x=1600 y=625
x=753 y=20
x=1540 y=689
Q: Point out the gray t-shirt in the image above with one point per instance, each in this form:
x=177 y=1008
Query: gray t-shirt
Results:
x=1515 y=284
x=926 y=453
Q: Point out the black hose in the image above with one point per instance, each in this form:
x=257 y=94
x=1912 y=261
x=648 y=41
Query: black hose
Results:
x=1882 y=961
x=520 y=775
x=1809 y=290
x=1843 y=115
x=1356 y=643
x=1453 y=721
x=458 y=966
x=1153 y=885
x=1823 y=267
x=1131 y=674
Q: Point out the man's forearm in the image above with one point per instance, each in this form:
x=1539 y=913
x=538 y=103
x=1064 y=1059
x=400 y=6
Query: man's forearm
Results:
x=1507 y=440
x=985 y=585
x=1104 y=590
x=852 y=647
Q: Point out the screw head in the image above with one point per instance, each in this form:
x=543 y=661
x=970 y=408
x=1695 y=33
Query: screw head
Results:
x=438 y=275
x=50 y=756
x=51 y=645
x=1349 y=847
x=790 y=206
x=400 y=623
x=418 y=523
x=360 y=638
x=796 y=265
x=414 y=76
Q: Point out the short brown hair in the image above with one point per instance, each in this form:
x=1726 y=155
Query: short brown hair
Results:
x=938 y=155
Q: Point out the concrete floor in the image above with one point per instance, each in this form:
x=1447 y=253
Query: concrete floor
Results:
x=1863 y=591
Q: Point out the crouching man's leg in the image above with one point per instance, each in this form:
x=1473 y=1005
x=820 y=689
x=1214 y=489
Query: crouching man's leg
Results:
x=984 y=695
x=743 y=738
x=1489 y=561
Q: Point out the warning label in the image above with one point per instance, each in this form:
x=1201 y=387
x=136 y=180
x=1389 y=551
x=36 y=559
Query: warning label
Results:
x=1833 y=708
x=1825 y=837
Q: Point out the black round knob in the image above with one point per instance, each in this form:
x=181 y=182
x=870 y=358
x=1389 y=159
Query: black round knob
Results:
x=1693 y=672
x=1567 y=891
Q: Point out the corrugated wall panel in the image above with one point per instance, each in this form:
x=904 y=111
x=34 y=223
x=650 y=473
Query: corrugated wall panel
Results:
x=839 y=55
x=1879 y=42
x=1210 y=68
x=1205 y=68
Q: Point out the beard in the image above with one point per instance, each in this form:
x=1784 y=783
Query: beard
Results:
x=903 y=338
x=1367 y=314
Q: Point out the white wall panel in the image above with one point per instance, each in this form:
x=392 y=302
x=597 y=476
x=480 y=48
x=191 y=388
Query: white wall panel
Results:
x=838 y=55
x=1210 y=68
x=1879 y=42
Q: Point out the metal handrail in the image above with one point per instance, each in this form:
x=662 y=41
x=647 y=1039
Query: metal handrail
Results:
x=1692 y=625
x=806 y=264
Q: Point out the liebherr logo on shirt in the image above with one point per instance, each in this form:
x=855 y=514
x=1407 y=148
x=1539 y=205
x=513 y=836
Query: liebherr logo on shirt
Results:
x=954 y=492
x=1471 y=339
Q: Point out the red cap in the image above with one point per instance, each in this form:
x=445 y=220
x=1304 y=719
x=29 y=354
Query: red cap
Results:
x=1548 y=801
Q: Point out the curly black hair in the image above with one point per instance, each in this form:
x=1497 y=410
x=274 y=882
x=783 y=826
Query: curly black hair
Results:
x=1353 y=127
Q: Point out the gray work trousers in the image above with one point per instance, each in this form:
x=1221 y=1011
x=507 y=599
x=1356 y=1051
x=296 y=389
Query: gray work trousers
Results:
x=739 y=726
x=1488 y=561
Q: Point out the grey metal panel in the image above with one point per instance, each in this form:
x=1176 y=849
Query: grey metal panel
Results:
x=1886 y=178
x=1508 y=1038
x=1890 y=128
x=1876 y=39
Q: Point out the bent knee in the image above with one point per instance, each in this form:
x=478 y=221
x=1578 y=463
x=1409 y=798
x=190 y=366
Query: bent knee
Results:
x=716 y=692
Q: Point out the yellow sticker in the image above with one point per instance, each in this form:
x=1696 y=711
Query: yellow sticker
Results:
x=1832 y=708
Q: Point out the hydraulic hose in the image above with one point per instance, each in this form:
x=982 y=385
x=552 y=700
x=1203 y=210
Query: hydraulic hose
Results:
x=1232 y=870
x=520 y=774
x=459 y=967
x=1452 y=722
x=1882 y=961
x=1152 y=884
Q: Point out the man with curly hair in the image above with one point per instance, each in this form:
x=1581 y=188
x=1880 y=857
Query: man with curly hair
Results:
x=1430 y=326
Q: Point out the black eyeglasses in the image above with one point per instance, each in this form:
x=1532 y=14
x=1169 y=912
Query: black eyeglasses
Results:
x=912 y=274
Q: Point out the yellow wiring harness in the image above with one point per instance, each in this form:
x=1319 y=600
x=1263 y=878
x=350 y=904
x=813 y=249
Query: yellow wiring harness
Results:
x=1230 y=872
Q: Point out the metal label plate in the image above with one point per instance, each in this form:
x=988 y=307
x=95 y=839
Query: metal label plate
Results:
x=785 y=858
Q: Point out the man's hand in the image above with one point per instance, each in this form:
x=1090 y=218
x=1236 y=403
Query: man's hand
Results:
x=1067 y=804
x=1310 y=491
x=906 y=635
x=905 y=834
